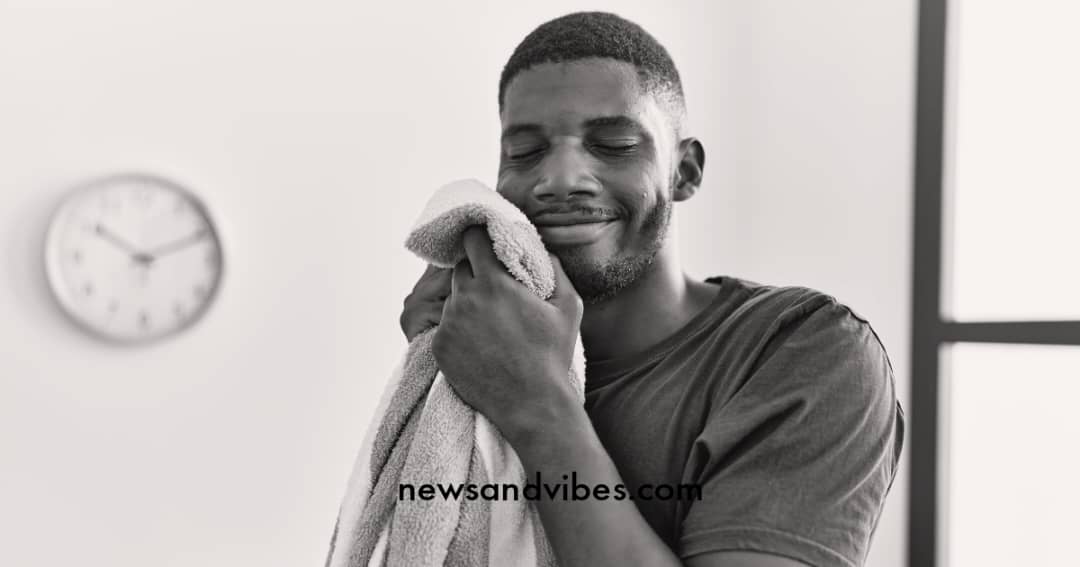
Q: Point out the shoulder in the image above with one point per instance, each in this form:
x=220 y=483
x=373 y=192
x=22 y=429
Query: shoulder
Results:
x=765 y=311
x=783 y=306
x=812 y=408
x=801 y=328
x=813 y=349
x=766 y=299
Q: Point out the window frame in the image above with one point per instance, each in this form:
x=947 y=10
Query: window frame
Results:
x=930 y=330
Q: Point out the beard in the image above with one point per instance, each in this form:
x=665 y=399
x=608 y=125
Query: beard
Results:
x=597 y=281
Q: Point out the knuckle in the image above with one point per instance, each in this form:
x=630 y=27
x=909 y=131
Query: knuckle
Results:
x=447 y=320
x=467 y=303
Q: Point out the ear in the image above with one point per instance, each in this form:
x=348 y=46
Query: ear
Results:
x=689 y=169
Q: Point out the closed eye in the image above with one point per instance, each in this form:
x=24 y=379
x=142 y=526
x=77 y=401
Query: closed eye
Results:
x=616 y=148
x=525 y=155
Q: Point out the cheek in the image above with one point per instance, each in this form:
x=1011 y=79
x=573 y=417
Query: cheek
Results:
x=513 y=192
x=513 y=181
x=640 y=194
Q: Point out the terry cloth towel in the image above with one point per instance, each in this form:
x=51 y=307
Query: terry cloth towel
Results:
x=422 y=433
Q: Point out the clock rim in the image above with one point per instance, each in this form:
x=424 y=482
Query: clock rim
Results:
x=52 y=256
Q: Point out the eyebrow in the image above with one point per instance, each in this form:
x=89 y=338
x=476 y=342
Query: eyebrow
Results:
x=618 y=121
x=515 y=129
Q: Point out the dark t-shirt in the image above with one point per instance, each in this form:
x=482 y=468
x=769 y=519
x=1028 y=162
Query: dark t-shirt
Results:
x=779 y=402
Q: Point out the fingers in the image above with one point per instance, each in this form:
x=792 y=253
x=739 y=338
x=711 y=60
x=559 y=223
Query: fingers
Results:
x=461 y=276
x=420 y=321
x=434 y=283
x=479 y=251
x=423 y=307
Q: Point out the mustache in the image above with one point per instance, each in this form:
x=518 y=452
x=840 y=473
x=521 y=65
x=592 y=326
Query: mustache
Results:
x=577 y=210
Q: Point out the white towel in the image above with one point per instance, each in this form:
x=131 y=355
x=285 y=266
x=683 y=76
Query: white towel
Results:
x=422 y=433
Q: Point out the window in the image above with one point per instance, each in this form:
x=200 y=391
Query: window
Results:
x=996 y=322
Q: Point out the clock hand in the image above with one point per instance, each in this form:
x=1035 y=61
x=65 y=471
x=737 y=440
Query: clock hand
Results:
x=177 y=244
x=116 y=241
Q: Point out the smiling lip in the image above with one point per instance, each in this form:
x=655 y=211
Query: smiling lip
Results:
x=577 y=233
x=563 y=219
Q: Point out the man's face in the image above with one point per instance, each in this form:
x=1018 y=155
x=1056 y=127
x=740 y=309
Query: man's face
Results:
x=589 y=158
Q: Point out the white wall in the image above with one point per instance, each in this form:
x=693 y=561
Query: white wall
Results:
x=824 y=127
x=315 y=132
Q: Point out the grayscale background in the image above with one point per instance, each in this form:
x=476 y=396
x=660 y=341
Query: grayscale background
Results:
x=315 y=131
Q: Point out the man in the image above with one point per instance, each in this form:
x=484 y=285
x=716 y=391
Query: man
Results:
x=777 y=402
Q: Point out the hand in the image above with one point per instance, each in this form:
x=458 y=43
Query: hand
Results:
x=424 y=306
x=505 y=351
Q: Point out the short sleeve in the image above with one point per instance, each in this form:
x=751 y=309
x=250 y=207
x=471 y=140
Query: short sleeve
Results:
x=798 y=460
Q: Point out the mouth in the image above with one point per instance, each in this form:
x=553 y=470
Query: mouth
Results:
x=573 y=234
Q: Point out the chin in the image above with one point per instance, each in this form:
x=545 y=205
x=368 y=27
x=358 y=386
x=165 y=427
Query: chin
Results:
x=597 y=277
x=581 y=259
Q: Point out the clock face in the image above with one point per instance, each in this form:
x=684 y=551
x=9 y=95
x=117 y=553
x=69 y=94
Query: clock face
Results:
x=133 y=257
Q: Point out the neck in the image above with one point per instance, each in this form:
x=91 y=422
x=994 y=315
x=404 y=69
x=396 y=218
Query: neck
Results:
x=662 y=301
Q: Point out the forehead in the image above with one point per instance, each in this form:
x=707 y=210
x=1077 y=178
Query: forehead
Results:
x=561 y=96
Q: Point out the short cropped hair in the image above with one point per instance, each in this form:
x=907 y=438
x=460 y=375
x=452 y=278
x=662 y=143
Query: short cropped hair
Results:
x=584 y=35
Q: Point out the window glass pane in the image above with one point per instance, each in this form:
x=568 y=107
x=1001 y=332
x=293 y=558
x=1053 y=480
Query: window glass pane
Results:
x=1012 y=168
x=1011 y=455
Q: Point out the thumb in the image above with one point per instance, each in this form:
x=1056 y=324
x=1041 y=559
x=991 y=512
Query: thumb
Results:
x=564 y=293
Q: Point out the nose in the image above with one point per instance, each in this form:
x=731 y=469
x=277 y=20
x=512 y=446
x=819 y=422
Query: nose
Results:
x=565 y=173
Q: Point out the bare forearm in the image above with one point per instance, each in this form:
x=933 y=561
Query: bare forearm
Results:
x=594 y=532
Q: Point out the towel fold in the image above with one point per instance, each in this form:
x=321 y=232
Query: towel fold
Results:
x=422 y=433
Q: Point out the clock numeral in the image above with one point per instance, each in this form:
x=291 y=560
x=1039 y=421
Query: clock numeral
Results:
x=88 y=288
x=179 y=311
x=144 y=320
x=76 y=256
x=113 y=307
x=199 y=291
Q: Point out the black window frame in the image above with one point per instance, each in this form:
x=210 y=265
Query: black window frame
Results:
x=930 y=330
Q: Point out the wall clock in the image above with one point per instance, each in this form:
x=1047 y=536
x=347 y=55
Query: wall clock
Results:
x=133 y=257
